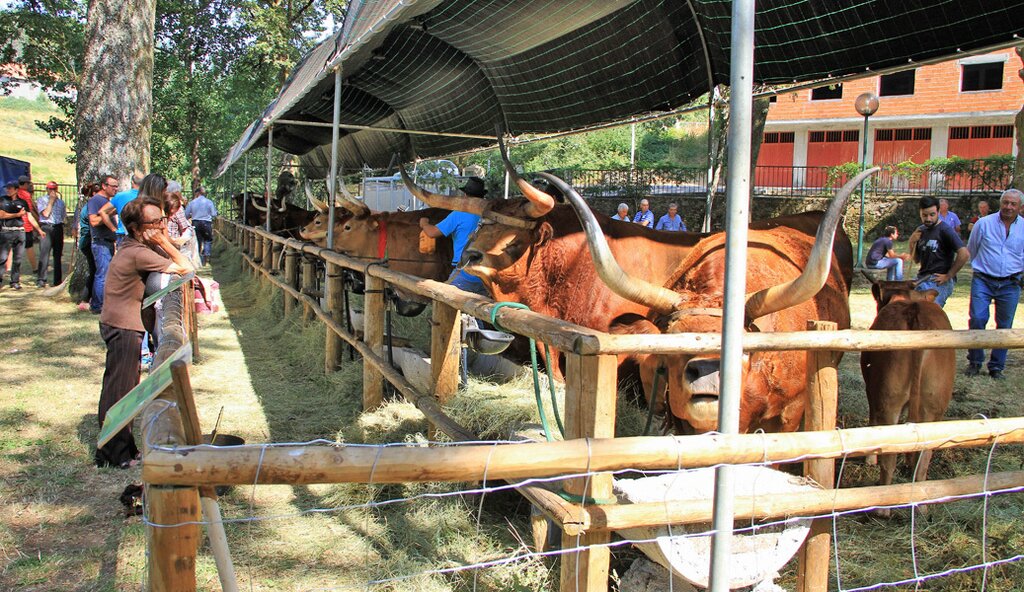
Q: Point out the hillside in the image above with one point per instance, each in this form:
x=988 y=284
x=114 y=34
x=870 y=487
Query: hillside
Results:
x=25 y=141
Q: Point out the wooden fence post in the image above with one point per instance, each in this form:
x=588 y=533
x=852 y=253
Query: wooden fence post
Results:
x=308 y=284
x=333 y=289
x=373 y=336
x=291 y=276
x=268 y=254
x=445 y=350
x=590 y=396
x=819 y=414
x=172 y=561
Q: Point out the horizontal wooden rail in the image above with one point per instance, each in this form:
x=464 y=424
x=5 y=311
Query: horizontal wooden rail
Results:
x=404 y=464
x=581 y=340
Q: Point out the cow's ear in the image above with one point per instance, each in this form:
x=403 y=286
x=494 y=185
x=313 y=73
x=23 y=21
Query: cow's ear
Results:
x=544 y=232
x=925 y=295
x=876 y=291
x=374 y=224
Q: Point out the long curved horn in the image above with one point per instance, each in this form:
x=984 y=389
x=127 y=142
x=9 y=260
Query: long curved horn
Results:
x=284 y=205
x=642 y=292
x=462 y=203
x=252 y=200
x=540 y=203
x=358 y=208
x=810 y=282
x=321 y=206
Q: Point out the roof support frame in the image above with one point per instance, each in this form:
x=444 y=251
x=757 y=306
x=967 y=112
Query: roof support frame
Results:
x=394 y=130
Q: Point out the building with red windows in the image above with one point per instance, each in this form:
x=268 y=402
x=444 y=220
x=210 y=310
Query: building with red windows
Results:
x=962 y=107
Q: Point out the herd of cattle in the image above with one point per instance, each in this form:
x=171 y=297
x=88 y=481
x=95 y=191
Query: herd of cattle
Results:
x=550 y=251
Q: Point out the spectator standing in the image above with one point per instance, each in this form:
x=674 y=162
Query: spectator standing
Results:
x=52 y=215
x=120 y=199
x=996 y=245
x=882 y=255
x=938 y=249
x=671 y=221
x=622 y=213
x=948 y=217
x=145 y=250
x=13 y=210
x=983 y=210
x=181 y=232
x=83 y=237
x=25 y=193
x=644 y=216
x=202 y=211
x=459 y=226
x=102 y=234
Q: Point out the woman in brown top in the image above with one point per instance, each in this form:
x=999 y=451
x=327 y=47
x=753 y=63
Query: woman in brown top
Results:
x=141 y=253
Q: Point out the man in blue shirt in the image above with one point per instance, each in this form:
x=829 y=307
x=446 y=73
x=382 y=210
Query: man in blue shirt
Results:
x=622 y=213
x=459 y=226
x=202 y=211
x=671 y=221
x=644 y=216
x=121 y=198
x=948 y=218
x=997 y=255
x=103 y=233
x=938 y=249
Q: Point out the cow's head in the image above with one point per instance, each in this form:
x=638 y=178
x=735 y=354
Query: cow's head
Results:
x=691 y=301
x=886 y=292
x=315 y=229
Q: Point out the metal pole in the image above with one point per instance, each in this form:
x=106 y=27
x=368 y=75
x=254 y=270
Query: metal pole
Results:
x=632 y=151
x=266 y=190
x=860 y=225
x=245 y=189
x=737 y=203
x=334 y=157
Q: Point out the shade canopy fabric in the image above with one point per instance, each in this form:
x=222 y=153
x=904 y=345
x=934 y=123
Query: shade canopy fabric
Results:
x=545 y=66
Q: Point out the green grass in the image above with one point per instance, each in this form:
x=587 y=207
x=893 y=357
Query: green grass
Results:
x=25 y=141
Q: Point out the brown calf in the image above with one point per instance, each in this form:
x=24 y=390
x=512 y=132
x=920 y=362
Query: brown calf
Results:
x=919 y=382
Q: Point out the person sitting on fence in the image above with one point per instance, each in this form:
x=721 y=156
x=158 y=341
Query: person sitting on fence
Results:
x=983 y=210
x=882 y=255
x=949 y=218
x=147 y=249
x=671 y=221
x=939 y=250
x=622 y=213
x=644 y=216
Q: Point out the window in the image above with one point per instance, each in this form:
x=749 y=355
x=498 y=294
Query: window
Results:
x=773 y=99
x=905 y=134
x=984 y=76
x=1002 y=131
x=959 y=133
x=900 y=83
x=981 y=131
x=851 y=136
x=779 y=137
x=825 y=93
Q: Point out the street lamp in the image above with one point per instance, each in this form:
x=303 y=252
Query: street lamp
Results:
x=866 y=104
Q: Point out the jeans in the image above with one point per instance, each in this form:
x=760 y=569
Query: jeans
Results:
x=1006 y=293
x=467 y=283
x=893 y=267
x=12 y=244
x=204 y=233
x=944 y=290
x=102 y=253
x=53 y=241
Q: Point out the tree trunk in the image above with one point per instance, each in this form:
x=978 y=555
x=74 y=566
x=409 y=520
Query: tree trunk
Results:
x=1018 y=163
x=114 y=115
x=718 y=131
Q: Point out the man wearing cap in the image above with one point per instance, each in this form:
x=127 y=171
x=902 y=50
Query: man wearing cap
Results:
x=25 y=193
x=459 y=226
x=120 y=199
x=12 y=231
x=52 y=214
x=201 y=210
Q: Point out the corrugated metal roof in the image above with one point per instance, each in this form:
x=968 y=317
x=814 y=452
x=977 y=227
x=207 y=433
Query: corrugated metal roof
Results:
x=540 y=66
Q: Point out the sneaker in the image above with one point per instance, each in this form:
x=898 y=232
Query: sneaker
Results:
x=83 y=306
x=996 y=374
x=16 y=286
x=973 y=369
x=40 y=284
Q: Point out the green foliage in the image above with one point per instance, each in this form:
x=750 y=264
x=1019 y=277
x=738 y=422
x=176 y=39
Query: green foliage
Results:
x=991 y=173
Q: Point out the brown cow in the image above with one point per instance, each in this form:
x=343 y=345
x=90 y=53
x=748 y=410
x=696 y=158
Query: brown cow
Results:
x=285 y=218
x=919 y=382
x=793 y=278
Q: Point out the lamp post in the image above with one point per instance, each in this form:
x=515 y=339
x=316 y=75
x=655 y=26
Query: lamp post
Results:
x=866 y=104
